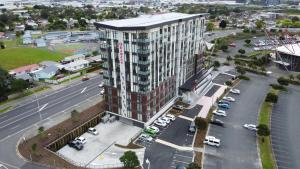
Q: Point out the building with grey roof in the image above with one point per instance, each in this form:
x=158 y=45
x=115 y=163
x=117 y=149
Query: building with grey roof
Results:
x=147 y=59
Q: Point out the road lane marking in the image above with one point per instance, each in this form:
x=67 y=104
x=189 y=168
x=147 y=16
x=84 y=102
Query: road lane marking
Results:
x=36 y=112
x=182 y=156
x=83 y=90
x=180 y=161
x=12 y=166
x=43 y=107
x=14 y=127
x=3 y=117
x=55 y=103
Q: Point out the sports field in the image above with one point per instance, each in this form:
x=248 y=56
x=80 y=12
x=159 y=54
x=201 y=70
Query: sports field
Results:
x=11 y=58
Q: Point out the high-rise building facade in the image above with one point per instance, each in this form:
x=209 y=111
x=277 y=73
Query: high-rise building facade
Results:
x=146 y=60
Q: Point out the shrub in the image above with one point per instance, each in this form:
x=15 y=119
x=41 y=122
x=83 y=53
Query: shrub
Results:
x=130 y=159
x=193 y=166
x=228 y=58
x=271 y=97
x=243 y=77
x=298 y=76
x=228 y=83
x=216 y=64
x=242 y=51
x=201 y=123
x=278 y=87
x=247 y=41
x=263 y=130
x=226 y=63
x=283 y=81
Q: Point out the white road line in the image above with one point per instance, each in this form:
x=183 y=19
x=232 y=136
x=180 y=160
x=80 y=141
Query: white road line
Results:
x=64 y=98
x=43 y=107
x=83 y=90
x=3 y=117
x=183 y=156
x=14 y=127
x=181 y=161
x=12 y=166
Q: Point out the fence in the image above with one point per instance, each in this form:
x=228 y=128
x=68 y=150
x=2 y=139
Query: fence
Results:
x=62 y=79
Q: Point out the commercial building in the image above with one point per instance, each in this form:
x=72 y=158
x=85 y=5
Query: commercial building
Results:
x=288 y=57
x=147 y=59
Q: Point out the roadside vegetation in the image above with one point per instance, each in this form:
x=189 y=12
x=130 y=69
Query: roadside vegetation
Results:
x=264 y=140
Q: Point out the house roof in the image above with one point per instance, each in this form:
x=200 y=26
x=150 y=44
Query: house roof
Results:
x=76 y=63
x=49 y=69
x=25 y=68
x=48 y=63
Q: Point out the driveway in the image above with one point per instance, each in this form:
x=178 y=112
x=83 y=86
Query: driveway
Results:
x=238 y=148
x=285 y=129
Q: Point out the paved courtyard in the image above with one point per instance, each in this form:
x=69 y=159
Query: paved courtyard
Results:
x=100 y=150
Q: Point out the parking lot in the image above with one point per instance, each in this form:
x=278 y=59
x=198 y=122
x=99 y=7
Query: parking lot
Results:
x=238 y=145
x=176 y=133
x=285 y=129
x=100 y=149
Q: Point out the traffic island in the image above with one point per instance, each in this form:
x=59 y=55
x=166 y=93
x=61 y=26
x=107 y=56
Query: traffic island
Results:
x=264 y=140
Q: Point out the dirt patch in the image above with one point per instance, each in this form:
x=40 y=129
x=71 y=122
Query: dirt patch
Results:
x=42 y=155
x=131 y=145
x=198 y=158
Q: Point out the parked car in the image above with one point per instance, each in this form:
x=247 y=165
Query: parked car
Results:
x=85 y=78
x=150 y=133
x=149 y=130
x=102 y=92
x=231 y=99
x=178 y=107
x=156 y=129
x=145 y=137
x=171 y=117
x=217 y=122
x=212 y=141
x=160 y=123
x=81 y=140
x=224 y=102
x=192 y=127
x=250 y=127
x=235 y=91
x=59 y=76
x=164 y=119
x=75 y=144
x=92 y=131
x=232 y=45
x=220 y=113
x=101 y=85
x=224 y=106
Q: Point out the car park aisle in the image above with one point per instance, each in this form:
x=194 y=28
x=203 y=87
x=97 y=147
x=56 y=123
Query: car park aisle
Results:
x=238 y=147
x=285 y=129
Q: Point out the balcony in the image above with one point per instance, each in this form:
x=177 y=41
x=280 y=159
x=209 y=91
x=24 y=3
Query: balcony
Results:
x=143 y=51
x=144 y=62
x=143 y=40
x=143 y=72
x=144 y=82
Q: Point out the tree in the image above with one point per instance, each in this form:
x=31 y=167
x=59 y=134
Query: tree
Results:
x=260 y=24
x=283 y=81
x=263 y=131
x=247 y=41
x=34 y=147
x=210 y=26
x=242 y=51
x=272 y=98
x=229 y=58
x=295 y=19
x=224 y=48
x=291 y=76
x=19 y=85
x=216 y=64
x=130 y=159
x=298 y=76
x=201 y=123
x=74 y=115
x=223 y=24
x=95 y=53
x=41 y=130
x=2 y=45
x=193 y=166
x=240 y=70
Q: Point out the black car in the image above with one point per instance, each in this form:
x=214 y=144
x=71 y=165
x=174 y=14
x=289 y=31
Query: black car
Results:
x=75 y=144
x=217 y=122
x=224 y=102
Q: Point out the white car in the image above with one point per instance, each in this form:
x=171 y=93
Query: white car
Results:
x=250 y=127
x=160 y=123
x=171 y=117
x=220 y=113
x=164 y=119
x=231 y=99
x=145 y=137
x=102 y=92
x=235 y=91
x=156 y=129
x=82 y=140
x=92 y=131
x=212 y=141
x=100 y=85
x=269 y=72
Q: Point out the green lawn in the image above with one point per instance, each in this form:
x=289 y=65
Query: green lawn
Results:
x=11 y=58
x=268 y=162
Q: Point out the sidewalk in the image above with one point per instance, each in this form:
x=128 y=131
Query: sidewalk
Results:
x=27 y=99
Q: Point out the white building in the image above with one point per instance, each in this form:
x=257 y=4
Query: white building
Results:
x=75 y=66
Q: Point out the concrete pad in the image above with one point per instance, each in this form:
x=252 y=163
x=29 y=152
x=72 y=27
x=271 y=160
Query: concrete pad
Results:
x=109 y=134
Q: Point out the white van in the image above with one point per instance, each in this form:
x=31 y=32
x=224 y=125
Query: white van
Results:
x=212 y=141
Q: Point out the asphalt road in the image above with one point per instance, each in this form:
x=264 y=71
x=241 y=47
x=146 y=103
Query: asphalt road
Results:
x=16 y=121
x=285 y=129
x=238 y=146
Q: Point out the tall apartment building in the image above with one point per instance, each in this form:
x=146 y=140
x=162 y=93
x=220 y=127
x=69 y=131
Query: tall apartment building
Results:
x=147 y=59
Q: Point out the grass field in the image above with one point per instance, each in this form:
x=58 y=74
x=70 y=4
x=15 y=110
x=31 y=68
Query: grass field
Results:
x=11 y=58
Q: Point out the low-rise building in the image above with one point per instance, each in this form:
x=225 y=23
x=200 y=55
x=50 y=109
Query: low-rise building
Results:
x=24 y=69
x=75 y=66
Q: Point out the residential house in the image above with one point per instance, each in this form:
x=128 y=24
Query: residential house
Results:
x=74 y=58
x=46 y=73
x=75 y=65
x=25 y=69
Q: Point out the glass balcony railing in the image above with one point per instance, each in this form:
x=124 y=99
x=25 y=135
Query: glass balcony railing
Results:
x=143 y=62
x=143 y=40
x=143 y=51
x=143 y=72
x=144 y=82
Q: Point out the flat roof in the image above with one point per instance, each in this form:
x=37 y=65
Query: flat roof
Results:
x=290 y=49
x=146 y=21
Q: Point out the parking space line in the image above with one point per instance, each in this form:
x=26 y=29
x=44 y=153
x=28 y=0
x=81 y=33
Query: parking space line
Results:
x=186 y=118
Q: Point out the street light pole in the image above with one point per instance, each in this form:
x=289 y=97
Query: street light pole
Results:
x=148 y=162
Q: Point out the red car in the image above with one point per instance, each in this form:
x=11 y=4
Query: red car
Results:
x=232 y=45
x=85 y=78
